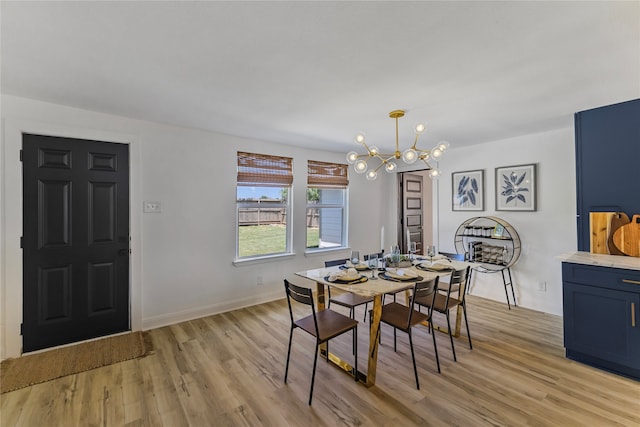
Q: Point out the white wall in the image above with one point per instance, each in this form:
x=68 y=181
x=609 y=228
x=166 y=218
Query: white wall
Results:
x=545 y=233
x=182 y=258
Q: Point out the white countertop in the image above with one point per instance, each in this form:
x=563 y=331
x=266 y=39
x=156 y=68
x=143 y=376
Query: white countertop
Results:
x=615 y=261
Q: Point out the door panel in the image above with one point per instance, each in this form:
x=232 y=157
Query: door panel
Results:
x=412 y=215
x=75 y=240
x=54 y=285
x=54 y=216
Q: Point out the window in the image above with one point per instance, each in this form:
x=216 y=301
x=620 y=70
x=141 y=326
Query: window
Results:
x=326 y=205
x=263 y=205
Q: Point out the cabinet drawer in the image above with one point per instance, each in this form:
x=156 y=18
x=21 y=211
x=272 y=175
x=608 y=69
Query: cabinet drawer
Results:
x=606 y=277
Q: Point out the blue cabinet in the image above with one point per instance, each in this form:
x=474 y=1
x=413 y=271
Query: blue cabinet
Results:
x=607 y=162
x=602 y=317
x=602 y=304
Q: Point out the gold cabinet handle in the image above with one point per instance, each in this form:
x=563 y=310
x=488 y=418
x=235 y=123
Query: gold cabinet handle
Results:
x=633 y=314
x=634 y=282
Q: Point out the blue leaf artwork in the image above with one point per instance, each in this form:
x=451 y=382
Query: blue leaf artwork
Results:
x=467 y=192
x=512 y=188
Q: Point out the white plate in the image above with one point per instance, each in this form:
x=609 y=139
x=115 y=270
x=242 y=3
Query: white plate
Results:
x=406 y=274
x=435 y=266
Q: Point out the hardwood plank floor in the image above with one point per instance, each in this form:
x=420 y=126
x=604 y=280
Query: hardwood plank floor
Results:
x=227 y=370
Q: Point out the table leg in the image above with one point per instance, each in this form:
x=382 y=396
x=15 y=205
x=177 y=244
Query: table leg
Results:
x=456 y=331
x=368 y=379
x=374 y=334
x=320 y=289
x=321 y=306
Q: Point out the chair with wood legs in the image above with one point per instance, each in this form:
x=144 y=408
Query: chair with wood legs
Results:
x=347 y=299
x=404 y=318
x=443 y=303
x=323 y=325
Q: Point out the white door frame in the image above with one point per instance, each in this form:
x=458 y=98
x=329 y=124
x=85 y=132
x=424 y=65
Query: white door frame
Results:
x=11 y=286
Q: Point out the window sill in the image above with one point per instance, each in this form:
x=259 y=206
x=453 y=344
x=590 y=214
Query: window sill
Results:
x=262 y=259
x=319 y=252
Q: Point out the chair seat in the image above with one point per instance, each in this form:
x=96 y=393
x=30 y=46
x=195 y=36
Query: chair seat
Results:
x=330 y=324
x=396 y=315
x=350 y=300
x=440 y=302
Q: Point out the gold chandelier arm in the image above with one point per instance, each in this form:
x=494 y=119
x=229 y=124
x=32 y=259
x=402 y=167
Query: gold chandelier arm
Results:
x=397 y=146
x=380 y=165
x=415 y=142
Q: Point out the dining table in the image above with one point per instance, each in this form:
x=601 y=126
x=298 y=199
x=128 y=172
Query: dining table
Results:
x=389 y=281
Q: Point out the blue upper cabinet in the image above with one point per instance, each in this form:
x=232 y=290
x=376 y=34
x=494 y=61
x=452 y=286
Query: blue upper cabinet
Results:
x=607 y=163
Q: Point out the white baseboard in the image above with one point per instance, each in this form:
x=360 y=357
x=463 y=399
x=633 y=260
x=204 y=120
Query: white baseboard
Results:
x=198 y=312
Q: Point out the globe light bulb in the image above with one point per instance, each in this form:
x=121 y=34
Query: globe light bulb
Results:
x=419 y=128
x=409 y=156
x=434 y=173
x=390 y=167
x=373 y=150
x=359 y=139
x=372 y=175
x=443 y=145
x=360 y=166
x=436 y=153
x=352 y=156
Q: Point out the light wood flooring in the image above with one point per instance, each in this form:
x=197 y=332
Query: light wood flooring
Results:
x=227 y=370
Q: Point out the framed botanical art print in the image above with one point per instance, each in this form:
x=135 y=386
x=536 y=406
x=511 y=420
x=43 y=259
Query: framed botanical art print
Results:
x=516 y=188
x=467 y=190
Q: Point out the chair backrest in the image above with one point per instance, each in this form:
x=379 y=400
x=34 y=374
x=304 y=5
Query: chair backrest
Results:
x=458 y=277
x=301 y=295
x=335 y=262
x=452 y=256
x=426 y=289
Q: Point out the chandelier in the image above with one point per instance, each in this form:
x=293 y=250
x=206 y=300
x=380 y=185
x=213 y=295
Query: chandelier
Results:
x=409 y=156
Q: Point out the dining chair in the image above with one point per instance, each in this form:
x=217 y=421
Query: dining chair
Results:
x=443 y=303
x=347 y=299
x=323 y=325
x=405 y=317
x=443 y=286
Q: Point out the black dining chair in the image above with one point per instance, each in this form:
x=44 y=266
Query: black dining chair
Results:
x=405 y=317
x=323 y=325
x=443 y=286
x=347 y=299
x=443 y=303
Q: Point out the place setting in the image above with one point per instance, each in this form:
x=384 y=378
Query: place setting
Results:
x=355 y=262
x=347 y=276
x=400 y=275
x=435 y=263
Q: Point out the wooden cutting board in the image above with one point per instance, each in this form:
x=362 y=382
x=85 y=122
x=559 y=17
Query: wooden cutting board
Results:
x=599 y=231
x=627 y=237
x=617 y=221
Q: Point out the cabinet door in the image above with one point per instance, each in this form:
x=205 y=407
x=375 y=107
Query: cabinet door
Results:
x=599 y=322
x=607 y=153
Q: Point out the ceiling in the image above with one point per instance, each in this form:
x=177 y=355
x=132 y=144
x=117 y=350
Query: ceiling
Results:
x=314 y=74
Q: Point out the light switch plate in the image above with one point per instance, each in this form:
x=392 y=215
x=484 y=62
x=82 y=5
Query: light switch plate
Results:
x=152 y=207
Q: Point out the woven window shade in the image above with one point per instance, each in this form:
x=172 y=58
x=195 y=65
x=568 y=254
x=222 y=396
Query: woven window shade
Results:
x=262 y=170
x=322 y=174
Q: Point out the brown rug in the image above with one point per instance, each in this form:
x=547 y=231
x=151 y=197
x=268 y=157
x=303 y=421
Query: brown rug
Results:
x=37 y=368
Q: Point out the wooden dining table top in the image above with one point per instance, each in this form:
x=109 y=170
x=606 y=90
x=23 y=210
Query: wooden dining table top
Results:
x=381 y=286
